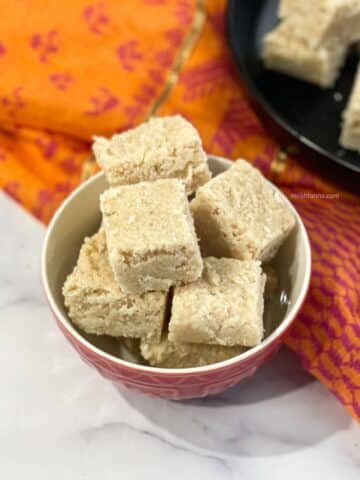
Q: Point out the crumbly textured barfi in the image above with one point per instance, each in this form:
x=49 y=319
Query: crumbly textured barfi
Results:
x=164 y=147
x=292 y=55
x=225 y=307
x=286 y=6
x=312 y=40
x=321 y=23
x=150 y=235
x=350 y=133
x=96 y=303
x=238 y=214
x=167 y=354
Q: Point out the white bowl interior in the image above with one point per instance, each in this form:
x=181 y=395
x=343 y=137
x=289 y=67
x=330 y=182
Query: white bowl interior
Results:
x=79 y=216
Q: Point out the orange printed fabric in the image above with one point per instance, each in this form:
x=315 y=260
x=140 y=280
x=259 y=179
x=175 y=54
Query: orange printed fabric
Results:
x=74 y=69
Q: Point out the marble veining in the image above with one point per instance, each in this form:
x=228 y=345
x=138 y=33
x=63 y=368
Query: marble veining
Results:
x=59 y=419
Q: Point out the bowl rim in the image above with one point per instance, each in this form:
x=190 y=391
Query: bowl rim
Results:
x=263 y=346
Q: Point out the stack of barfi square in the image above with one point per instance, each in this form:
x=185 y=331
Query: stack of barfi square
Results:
x=150 y=235
x=98 y=305
x=238 y=214
x=224 y=307
x=312 y=40
x=164 y=147
x=142 y=277
x=213 y=318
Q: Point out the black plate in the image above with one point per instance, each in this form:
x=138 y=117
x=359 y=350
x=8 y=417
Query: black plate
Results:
x=311 y=114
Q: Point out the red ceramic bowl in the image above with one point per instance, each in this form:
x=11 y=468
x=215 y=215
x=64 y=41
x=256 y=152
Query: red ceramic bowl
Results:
x=79 y=216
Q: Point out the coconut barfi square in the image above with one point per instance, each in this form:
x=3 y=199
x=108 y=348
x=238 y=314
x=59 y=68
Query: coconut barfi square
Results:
x=286 y=7
x=168 y=354
x=288 y=53
x=224 y=307
x=239 y=214
x=96 y=303
x=323 y=22
x=164 y=147
x=150 y=235
x=312 y=40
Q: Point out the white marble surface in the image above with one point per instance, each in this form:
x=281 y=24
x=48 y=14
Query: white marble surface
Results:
x=60 y=420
